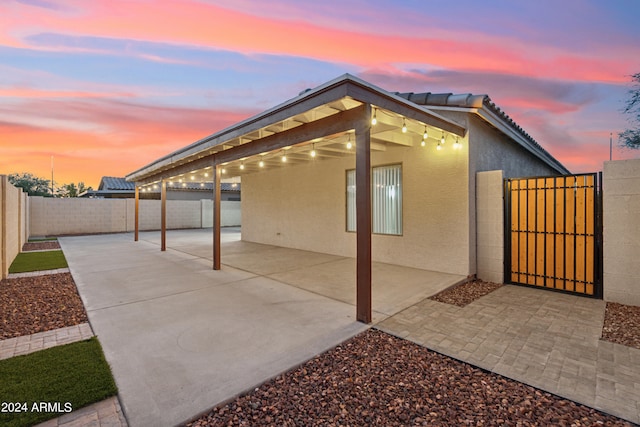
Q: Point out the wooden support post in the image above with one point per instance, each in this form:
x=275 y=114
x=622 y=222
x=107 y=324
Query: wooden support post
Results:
x=216 y=215
x=363 y=216
x=136 y=215
x=163 y=215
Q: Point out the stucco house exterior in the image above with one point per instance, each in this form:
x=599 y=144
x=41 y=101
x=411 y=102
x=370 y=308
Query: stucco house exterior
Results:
x=350 y=169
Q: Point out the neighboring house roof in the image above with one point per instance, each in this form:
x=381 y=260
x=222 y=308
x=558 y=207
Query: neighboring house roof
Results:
x=116 y=185
x=477 y=102
x=111 y=183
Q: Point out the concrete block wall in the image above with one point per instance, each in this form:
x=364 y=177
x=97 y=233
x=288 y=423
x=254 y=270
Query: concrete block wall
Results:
x=490 y=226
x=12 y=223
x=621 y=231
x=54 y=217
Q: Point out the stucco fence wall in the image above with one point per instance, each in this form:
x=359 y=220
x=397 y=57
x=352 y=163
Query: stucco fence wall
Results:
x=621 y=227
x=54 y=217
x=14 y=228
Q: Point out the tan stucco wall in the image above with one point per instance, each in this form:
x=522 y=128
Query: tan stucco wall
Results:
x=54 y=217
x=12 y=228
x=304 y=207
x=490 y=226
x=621 y=231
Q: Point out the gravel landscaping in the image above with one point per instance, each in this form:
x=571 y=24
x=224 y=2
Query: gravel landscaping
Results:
x=465 y=293
x=37 y=304
x=377 y=379
x=39 y=246
x=622 y=324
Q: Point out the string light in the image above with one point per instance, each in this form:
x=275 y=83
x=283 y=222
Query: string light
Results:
x=404 y=126
x=457 y=144
x=374 y=120
x=439 y=147
x=284 y=156
x=242 y=166
x=442 y=140
x=313 y=150
x=349 y=145
x=261 y=163
x=425 y=135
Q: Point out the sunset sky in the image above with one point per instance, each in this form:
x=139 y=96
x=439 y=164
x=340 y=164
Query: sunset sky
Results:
x=107 y=86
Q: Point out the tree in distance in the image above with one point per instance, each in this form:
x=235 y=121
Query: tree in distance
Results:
x=630 y=138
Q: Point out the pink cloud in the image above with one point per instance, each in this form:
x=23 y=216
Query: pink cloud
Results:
x=206 y=25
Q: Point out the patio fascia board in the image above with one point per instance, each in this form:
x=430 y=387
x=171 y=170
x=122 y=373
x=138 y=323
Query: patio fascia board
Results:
x=201 y=154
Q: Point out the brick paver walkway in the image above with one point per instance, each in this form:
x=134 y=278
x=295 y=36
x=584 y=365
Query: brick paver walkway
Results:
x=106 y=413
x=545 y=339
x=30 y=343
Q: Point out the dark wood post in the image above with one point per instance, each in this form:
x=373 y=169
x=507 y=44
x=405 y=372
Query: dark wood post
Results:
x=163 y=215
x=216 y=215
x=363 y=216
x=136 y=215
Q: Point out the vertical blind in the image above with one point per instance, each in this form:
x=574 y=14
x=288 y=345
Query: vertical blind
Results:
x=386 y=200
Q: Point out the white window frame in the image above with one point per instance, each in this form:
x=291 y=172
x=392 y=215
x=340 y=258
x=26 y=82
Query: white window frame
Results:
x=386 y=200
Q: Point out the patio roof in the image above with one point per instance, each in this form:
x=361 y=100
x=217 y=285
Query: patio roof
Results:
x=320 y=119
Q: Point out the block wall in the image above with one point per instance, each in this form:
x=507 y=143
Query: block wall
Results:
x=12 y=223
x=490 y=226
x=55 y=217
x=621 y=231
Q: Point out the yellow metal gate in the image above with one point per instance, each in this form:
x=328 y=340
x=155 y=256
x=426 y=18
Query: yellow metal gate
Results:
x=553 y=233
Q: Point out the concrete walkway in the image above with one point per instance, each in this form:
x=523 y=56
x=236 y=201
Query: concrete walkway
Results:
x=181 y=338
x=545 y=339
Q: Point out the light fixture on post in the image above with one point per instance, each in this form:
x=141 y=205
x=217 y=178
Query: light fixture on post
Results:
x=313 y=150
x=404 y=125
x=374 y=119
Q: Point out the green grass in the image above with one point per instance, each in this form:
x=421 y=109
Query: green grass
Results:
x=75 y=374
x=35 y=261
x=44 y=239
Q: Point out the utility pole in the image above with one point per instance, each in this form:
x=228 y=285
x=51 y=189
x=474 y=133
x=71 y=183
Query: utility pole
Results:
x=610 y=146
x=52 y=176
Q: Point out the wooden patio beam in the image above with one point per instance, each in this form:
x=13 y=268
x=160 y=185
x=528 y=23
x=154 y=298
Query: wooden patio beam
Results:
x=330 y=125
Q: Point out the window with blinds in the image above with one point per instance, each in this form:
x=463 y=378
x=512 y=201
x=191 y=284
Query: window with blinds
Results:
x=386 y=203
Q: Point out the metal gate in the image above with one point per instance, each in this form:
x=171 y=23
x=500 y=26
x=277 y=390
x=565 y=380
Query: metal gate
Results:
x=553 y=233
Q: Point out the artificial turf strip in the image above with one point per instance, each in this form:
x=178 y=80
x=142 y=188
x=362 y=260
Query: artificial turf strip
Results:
x=63 y=378
x=36 y=261
x=44 y=239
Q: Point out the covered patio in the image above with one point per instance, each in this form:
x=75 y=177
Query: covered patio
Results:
x=394 y=288
x=346 y=118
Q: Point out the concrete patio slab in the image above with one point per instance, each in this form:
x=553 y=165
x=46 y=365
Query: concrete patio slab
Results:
x=181 y=338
